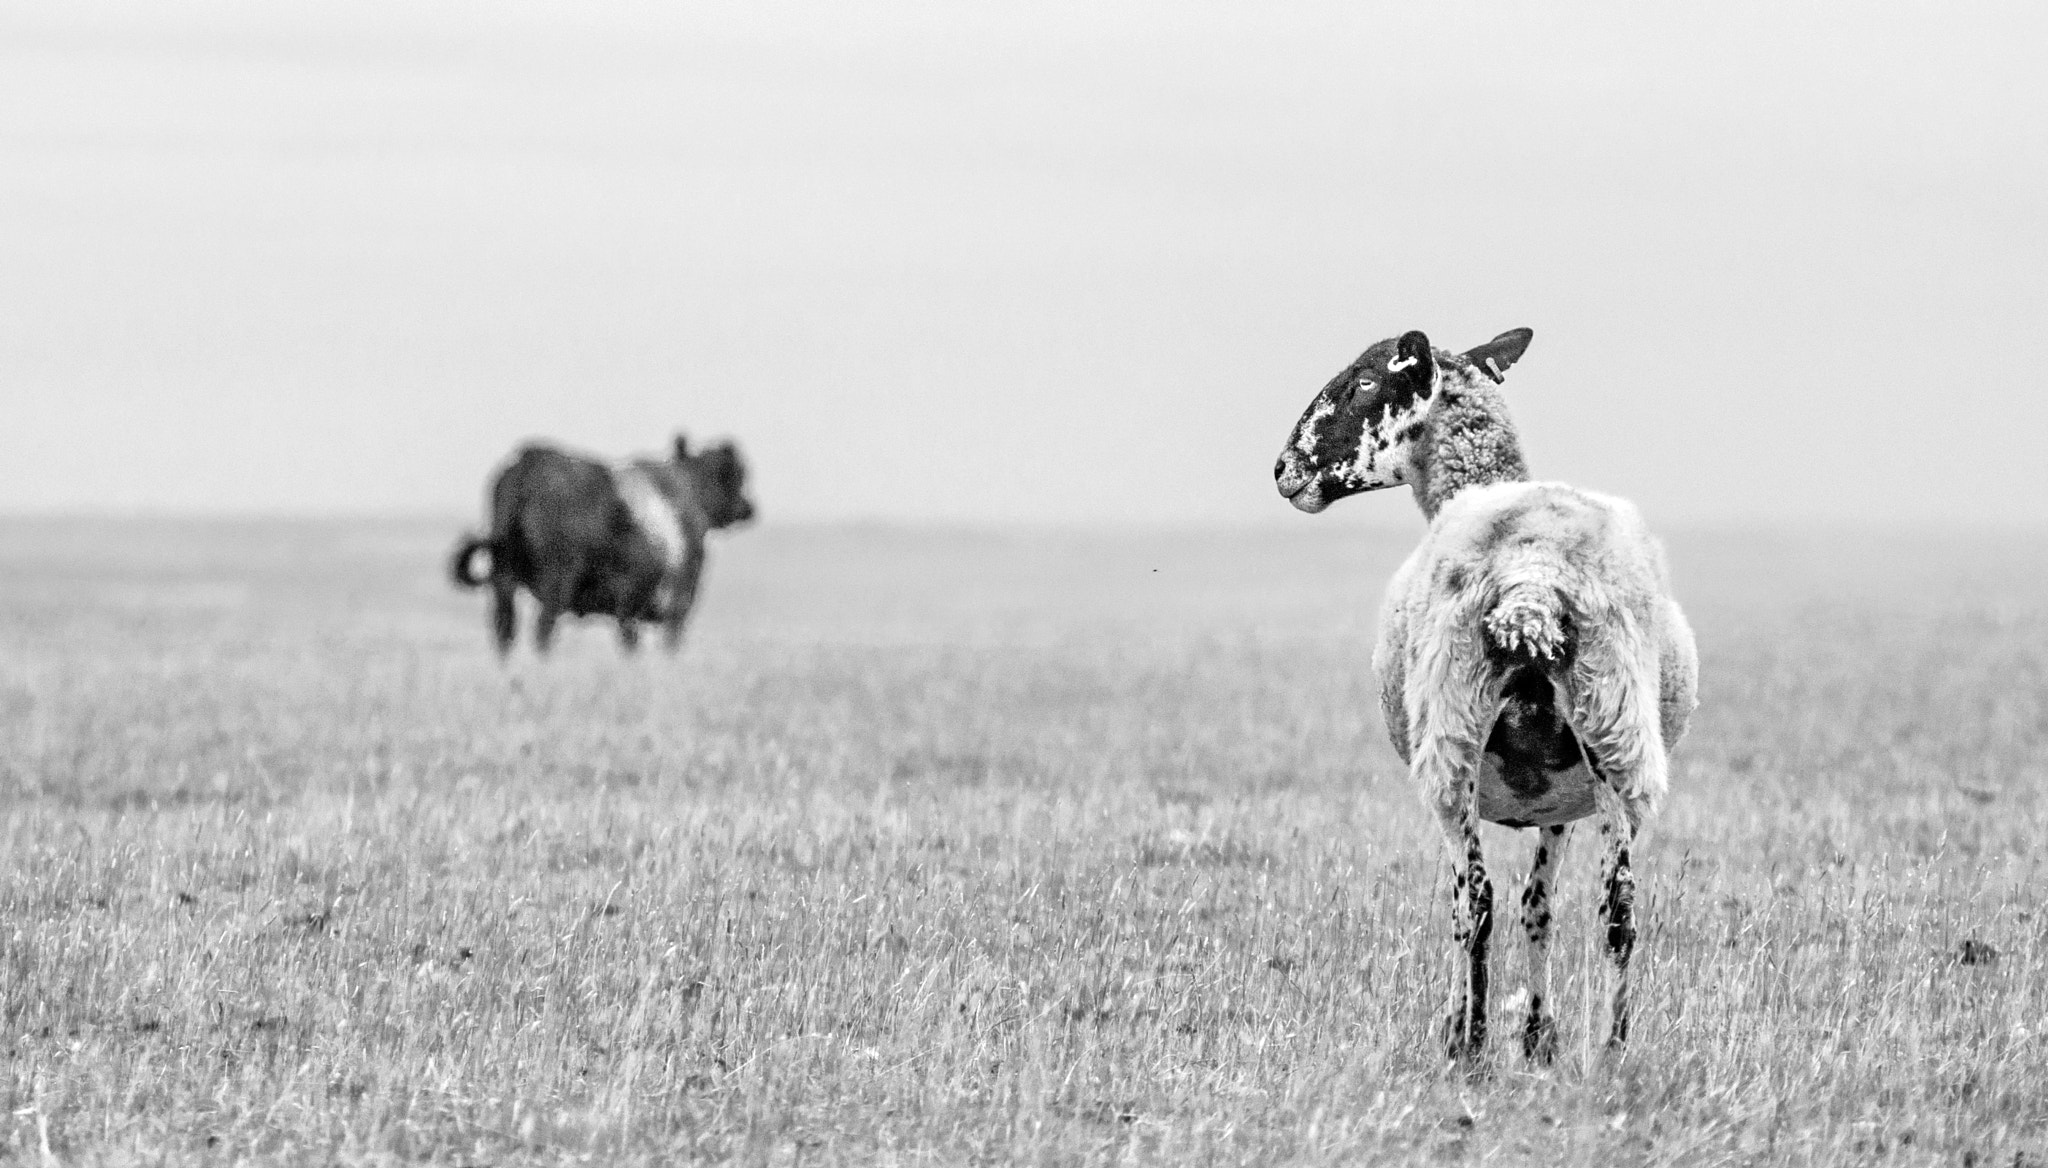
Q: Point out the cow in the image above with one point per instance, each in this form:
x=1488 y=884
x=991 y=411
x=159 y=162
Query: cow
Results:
x=624 y=540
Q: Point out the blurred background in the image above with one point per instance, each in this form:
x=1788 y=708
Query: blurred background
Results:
x=1001 y=262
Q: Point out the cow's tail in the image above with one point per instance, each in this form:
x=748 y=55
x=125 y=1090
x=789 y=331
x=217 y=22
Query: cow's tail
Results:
x=462 y=565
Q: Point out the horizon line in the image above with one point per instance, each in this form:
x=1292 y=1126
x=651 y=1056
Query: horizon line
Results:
x=1406 y=520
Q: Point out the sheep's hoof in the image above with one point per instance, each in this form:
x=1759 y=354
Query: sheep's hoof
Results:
x=1539 y=1038
x=1464 y=1034
x=1617 y=1034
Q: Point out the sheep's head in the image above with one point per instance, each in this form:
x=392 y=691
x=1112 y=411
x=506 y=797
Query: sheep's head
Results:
x=1360 y=432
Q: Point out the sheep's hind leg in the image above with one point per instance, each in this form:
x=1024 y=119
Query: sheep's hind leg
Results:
x=1620 y=817
x=1472 y=929
x=1612 y=697
x=1450 y=775
x=1539 y=1025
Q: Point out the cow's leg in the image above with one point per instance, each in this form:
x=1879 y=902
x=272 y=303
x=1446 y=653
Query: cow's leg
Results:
x=683 y=595
x=544 y=627
x=504 y=612
x=556 y=591
x=627 y=604
x=1539 y=1027
x=1447 y=768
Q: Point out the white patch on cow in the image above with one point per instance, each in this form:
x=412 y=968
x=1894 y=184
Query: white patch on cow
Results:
x=652 y=512
x=1400 y=363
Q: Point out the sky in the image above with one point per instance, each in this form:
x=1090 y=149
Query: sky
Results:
x=995 y=262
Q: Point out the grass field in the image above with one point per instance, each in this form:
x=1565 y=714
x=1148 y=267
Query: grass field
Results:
x=953 y=848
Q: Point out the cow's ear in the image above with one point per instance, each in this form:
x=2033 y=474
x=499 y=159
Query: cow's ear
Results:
x=1498 y=355
x=682 y=447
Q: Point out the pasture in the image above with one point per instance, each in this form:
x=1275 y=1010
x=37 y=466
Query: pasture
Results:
x=969 y=847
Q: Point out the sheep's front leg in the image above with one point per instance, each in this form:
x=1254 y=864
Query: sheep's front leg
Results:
x=1450 y=776
x=1539 y=1029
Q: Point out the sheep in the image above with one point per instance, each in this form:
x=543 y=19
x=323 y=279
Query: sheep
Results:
x=1533 y=667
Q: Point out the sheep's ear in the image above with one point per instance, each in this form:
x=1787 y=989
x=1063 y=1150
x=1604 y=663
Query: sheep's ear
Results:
x=1498 y=355
x=682 y=447
x=1414 y=361
x=1413 y=348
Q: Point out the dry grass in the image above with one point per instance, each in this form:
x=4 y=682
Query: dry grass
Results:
x=953 y=849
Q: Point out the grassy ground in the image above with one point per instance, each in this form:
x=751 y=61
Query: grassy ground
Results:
x=949 y=849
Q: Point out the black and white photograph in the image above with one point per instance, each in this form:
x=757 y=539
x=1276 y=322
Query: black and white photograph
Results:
x=782 y=583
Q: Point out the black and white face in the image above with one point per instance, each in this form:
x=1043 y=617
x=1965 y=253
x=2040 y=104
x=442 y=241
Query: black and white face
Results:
x=1362 y=431
x=1359 y=433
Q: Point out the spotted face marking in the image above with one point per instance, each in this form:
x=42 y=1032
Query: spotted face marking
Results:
x=1308 y=434
x=1358 y=433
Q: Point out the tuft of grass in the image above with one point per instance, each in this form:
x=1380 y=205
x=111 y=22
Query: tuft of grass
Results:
x=955 y=847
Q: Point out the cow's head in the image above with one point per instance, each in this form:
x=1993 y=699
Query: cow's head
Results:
x=1360 y=432
x=721 y=478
